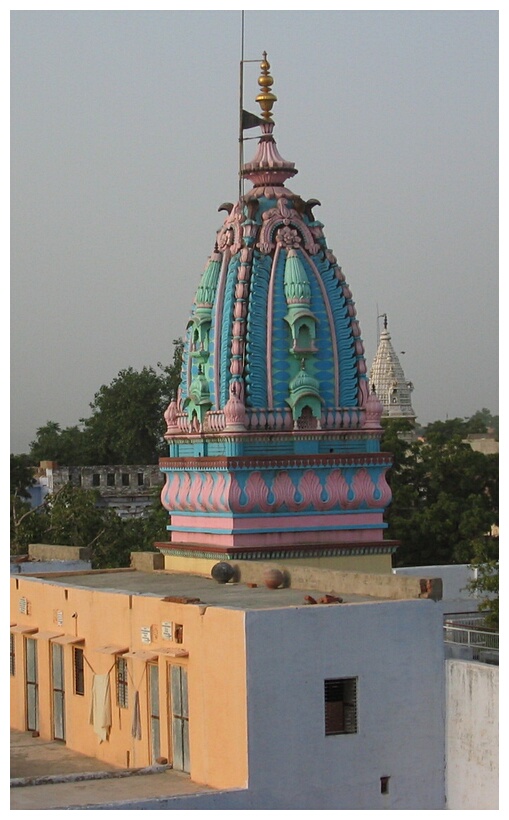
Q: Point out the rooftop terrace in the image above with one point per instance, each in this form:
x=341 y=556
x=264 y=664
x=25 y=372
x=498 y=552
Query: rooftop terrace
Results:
x=301 y=586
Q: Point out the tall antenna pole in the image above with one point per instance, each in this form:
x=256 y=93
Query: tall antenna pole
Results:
x=241 y=104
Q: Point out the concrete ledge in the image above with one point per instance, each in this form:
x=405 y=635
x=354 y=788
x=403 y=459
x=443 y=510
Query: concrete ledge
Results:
x=77 y=777
x=57 y=552
x=147 y=561
x=393 y=587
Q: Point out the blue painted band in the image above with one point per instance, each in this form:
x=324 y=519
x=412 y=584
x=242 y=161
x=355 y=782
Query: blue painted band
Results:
x=254 y=530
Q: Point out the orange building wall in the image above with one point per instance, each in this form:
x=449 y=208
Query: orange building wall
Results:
x=216 y=666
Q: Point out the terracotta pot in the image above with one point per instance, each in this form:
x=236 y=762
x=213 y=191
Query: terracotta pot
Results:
x=273 y=578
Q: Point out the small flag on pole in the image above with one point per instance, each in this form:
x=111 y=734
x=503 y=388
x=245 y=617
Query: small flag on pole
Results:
x=250 y=120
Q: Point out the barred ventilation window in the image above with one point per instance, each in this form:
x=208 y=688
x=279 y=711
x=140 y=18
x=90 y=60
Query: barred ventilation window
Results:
x=340 y=706
x=122 y=686
x=79 y=671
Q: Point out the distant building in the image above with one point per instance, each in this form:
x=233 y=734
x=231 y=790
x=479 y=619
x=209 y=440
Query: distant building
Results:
x=485 y=443
x=388 y=379
x=127 y=489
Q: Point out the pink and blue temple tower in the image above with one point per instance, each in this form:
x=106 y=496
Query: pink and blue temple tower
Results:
x=274 y=436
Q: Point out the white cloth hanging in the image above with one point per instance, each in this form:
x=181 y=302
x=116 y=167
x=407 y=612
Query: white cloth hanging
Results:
x=100 y=706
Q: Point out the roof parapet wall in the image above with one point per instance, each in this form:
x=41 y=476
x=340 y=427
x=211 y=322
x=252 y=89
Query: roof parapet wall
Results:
x=393 y=587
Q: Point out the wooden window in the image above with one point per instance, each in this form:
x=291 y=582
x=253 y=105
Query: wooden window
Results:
x=79 y=671
x=340 y=706
x=121 y=681
x=96 y=480
x=110 y=479
x=141 y=479
x=125 y=479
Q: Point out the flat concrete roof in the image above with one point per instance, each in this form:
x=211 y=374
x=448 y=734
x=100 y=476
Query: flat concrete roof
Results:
x=163 y=583
x=46 y=774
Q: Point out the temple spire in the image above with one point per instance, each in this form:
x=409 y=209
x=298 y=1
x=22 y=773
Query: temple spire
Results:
x=388 y=379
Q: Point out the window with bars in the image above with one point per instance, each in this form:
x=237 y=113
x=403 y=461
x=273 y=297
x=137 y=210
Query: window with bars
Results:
x=13 y=655
x=121 y=682
x=340 y=706
x=78 y=671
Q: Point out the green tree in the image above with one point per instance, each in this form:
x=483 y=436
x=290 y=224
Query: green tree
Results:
x=445 y=496
x=127 y=424
x=46 y=445
x=486 y=585
x=22 y=476
x=122 y=536
x=172 y=373
x=67 y=446
x=73 y=517
x=25 y=525
x=483 y=422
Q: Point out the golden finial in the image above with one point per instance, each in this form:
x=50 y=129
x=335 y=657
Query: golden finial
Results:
x=266 y=98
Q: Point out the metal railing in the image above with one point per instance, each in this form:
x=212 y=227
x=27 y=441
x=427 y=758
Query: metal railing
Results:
x=469 y=629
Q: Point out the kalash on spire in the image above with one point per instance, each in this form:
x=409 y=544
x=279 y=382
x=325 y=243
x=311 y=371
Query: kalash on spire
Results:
x=274 y=437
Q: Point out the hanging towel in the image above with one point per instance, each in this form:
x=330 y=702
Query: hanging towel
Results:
x=100 y=707
x=136 y=727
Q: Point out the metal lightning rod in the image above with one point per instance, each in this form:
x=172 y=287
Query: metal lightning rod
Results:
x=241 y=104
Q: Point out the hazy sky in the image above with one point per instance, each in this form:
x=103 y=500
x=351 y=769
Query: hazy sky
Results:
x=124 y=130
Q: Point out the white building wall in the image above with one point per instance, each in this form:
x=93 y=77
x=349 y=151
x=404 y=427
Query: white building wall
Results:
x=396 y=651
x=472 y=735
x=455 y=578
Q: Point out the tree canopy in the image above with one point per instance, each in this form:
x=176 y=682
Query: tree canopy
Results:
x=486 y=583
x=71 y=516
x=445 y=494
x=22 y=476
x=126 y=425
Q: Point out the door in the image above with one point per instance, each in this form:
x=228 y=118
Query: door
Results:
x=179 y=718
x=153 y=710
x=32 y=685
x=57 y=676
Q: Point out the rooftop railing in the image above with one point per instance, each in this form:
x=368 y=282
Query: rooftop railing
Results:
x=469 y=630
